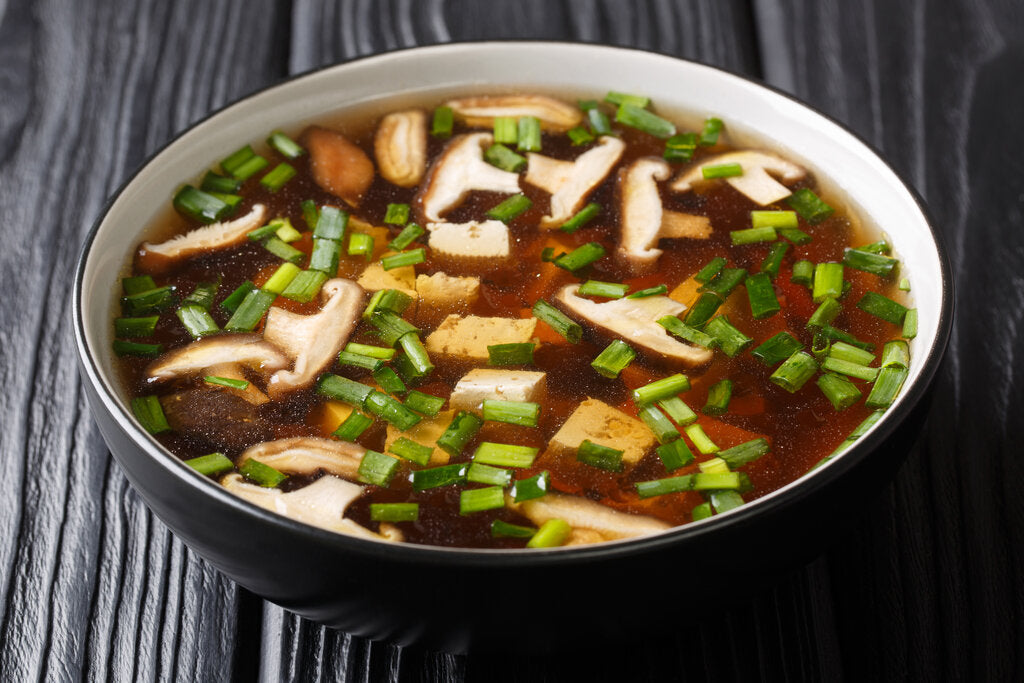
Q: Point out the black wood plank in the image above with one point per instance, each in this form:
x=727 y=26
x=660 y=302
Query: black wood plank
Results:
x=929 y=584
x=92 y=585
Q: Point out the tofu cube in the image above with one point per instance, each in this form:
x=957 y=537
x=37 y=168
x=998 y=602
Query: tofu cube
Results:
x=472 y=240
x=374 y=277
x=604 y=425
x=467 y=338
x=446 y=291
x=425 y=432
x=503 y=385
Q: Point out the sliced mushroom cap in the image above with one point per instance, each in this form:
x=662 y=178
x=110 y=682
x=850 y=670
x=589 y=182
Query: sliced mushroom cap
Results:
x=635 y=321
x=313 y=340
x=570 y=183
x=641 y=213
x=321 y=504
x=400 y=146
x=158 y=258
x=554 y=115
x=460 y=169
x=604 y=523
x=308 y=455
x=339 y=166
x=249 y=350
x=755 y=183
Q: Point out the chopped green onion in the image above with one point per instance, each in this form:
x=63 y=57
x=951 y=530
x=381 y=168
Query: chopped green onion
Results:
x=841 y=392
x=285 y=145
x=619 y=99
x=442 y=122
x=310 y=213
x=485 y=474
x=880 y=247
x=705 y=307
x=723 y=501
x=410 y=233
x=602 y=457
x=882 y=307
x=510 y=208
x=830 y=332
x=753 y=236
x=828 y=281
x=501 y=529
x=263 y=232
x=516 y=353
x=505 y=130
x=896 y=352
x=331 y=224
x=425 y=404
x=599 y=122
x=505 y=455
x=264 y=475
x=278 y=176
x=377 y=468
x=773 y=219
x=680 y=147
x=661 y=389
x=411 y=451
x=761 y=294
x=343 y=389
x=661 y=487
x=522 y=413
x=579 y=136
x=904 y=285
x=150 y=414
x=529 y=134
x=910 y=324
x=887 y=386
x=777 y=349
x=380 y=352
x=149 y=301
x=719 y=396
x=721 y=171
x=558 y=321
x=305 y=286
x=439 y=476
x=876 y=264
x=810 y=206
x=387 y=300
x=701 y=440
x=745 y=453
x=284 y=251
x=726 y=281
x=198 y=205
x=614 y=359
x=202 y=295
x=286 y=232
x=702 y=511
x=552 y=533
x=250 y=311
x=390 y=327
x=213 y=463
x=803 y=273
x=717 y=481
x=390 y=410
x=229 y=382
x=502 y=157
x=235 y=298
x=394 y=512
x=795 y=235
x=353 y=426
x=410 y=372
x=582 y=217
x=281 y=278
x=773 y=261
x=236 y=159
x=660 y=426
x=215 y=183
x=462 y=428
x=251 y=167
x=848 y=352
x=478 y=500
x=580 y=257
x=675 y=454
x=825 y=313
x=709 y=135
x=650 y=291
x=360 y=244
x=417 y=354
x=127 y=348
x=644 y=120
x=397 y=214
x=684 y=331
x=405 y=258
x=135 y=327
x=678 y=410
x=388 y=380
x=710 y=271
x=729 y=338
x=795 y=372
x=534 y=487
x=137 y=284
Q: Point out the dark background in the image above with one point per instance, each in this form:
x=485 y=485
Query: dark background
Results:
x=927 y=585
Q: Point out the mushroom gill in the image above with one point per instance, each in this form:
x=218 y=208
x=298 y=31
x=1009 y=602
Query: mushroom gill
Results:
x=158 y=258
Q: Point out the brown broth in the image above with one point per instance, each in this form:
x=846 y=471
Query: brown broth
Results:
x=802 y=427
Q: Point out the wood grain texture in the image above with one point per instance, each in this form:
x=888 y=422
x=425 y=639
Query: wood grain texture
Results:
x=926 y=586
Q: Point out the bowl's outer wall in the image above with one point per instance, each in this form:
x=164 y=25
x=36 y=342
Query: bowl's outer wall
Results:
x=415 y=594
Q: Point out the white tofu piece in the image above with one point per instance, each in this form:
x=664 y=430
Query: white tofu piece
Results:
x=374 y=278
x=467 y=338
x=472 y=240
x=446 y=291
x=482 y=384
x=604 y=425
x=426 y=432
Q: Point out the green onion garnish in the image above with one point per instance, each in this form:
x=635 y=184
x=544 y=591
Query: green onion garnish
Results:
x=135 y=327
x=719 y=396
x=360 y=244
x=285 y=145
x=777 y=349
x=325 y=256
x=619 y=99
x=726 y=281
x=773 y=261
x=353 y=426
x=213 y=463
x=502 y=157
x=710 y=271
x=390 y=410
x=534 y=487
x=150 y=301
x=417 y=354
x=879 y=247
x=580 y=257
x=237 y=159
x=343 y=389
x=717 y=481
x=501 y=529
x=841 y=392
x=833 y=333
x=283 y=250
x=387 y=300
x=896 y=352
x=579 y=136
x=462 y=428
x=442 y=122
x=380 y=352
x=331 y=224
x=910 y=324
x=218 y=184
x=882 y=307
x=522 y=413
x=485 y=474
x=439 y=476
x=709 y=135
x=286 y=232
x=582 y=217
x=828 y=281
x=753 y=236
x=127 y=348
x=808 y=205
x=853 y=354
x=745 y=453
x=258 y=473
x=876 y=264
x=516 y=353
x=235 y=298
x=389 y=381
x=558 y=321
x=411 y=451
x=795 y=235
x=405 y=258
x=705 y=307
x=397 y=214
x=425 y=404
x=310 y=213
x=773 y=219
x=394 y=512
x=599 y=122
x=305 y=286
x=729 y=338
x=678 y=410
x=803 y=273
x=795 y=372
x=614 y=359
x=701 y=440
x=251 y=167
x=410 y=233
x=845 y=367
x=281 y=278
x=276 y=178
x=552 y=533
x=675 y=454
x=761 y=293
x=377 y=468
x=661 y=389
x=529 y=134
x=137 y=284
x=680 y=147
x=504 y=455
x=390 y=327
x=723 y=501
x=478 y=500
x=824 y=314
x=505 y=131
x=887 y=386
x=510 y=208
x=644 y=120
x=250 y=311
x=229 y=382
x=904 y=285
x=201 y=206
x=602 y=457
x=650 y=291
x=684 y=331
x=721 y=171
x=702 y=511
x=661 y=487
x=660 y=426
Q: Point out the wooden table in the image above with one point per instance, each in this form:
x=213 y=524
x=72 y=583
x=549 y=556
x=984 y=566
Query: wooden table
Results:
x=928 y=584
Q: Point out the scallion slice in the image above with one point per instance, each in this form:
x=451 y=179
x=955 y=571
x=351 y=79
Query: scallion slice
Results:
x=202 y=295
x=281 y=278
x=249 y=313
x=579 y=136
x=773 y=219
x=390 y=410
x=896 y=352
x=236 y=159
x=795 y=235
x=710 y=271
x=128 y=348
x=439 y=476
x=305 y=286
x=228 y=382
x=730 y=339
x=278 y=176
x=644 y=120
x=485 y=474
x=502 y=157
x=777 y=349
x=608 y=290
x=235 y=298
x=529 y=134
x=331 y=224
x=882 y=307
x=761 y=294
x=442 y=122
x=478 y=500
x=753 y=236
x=723 y=501
x=558 y=321
x=601 y=457
x=510 y=208
x=137 y=284
x=425 y=404
x=504 y=455
x=462 y=428
x=284 y=251
x=135 y=327
x=405 y=258
x=649 y=291
x=717 y=481
x=251 y=167
x=910 y=324
x=201 y=206
x=684 y=331
x=387 y=300
x=828 y=281
x=701 y=440
x=719 y=396
x=662 y=428
x=150 y=414
x=809 y=205
x=411 y=451
x=377 y=468
x=261 y=474
x=661 y=389
x=410 y=233
x=416 y=354
x=534 y=487
x=850 y=353
x=702 y=511
x=502 y=529
x=390 y=327
x=523 y=413
x=661 y=487
x=394 y=512
x=343 y=389
x=614 y=359
x=710 y=132
x=360 y=244
x=210 y=464
x=833 y=333
x=215 y=183
x=876 y=264
x=325 y=256
x=287 y=147
x=397 y=214
x=841 y=392
x=505 y=131
x=681 y=413
x=515 y=353
x=353 y=426
x=619 y=99
x=773 y=261
x=703 y=309
x=599 y=122
x=745 y=453
x=389 y=380
x=680 y=147
x=581 y=218
x=675 y=454
x=803 y=273
x=795 y=372
x=726 y=281
x=150 y=301
x=721 y=171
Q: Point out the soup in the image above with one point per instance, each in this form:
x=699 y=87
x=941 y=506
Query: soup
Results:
x=510 y=321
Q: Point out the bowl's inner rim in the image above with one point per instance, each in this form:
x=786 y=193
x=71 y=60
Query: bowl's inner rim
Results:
x=191 y=152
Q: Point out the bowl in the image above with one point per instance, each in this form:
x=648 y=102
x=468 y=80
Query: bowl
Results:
x=457 y=599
